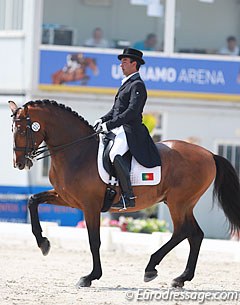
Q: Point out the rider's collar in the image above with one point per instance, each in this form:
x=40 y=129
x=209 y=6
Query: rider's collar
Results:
x=127 y=77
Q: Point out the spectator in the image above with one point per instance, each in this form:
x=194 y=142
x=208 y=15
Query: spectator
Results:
x=231 y=48
x=97 y=40
x=149 y=44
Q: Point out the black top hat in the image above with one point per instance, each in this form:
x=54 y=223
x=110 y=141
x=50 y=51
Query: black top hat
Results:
x=132 y=53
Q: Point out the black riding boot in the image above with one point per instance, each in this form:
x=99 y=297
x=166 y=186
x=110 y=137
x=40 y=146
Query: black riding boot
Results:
x=127 y=198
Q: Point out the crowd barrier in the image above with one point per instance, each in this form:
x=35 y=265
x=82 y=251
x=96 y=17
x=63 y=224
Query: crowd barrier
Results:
x=117 y=242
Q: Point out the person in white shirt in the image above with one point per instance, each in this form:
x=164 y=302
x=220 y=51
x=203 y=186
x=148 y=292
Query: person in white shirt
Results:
x=231 y=48
x=97 y=40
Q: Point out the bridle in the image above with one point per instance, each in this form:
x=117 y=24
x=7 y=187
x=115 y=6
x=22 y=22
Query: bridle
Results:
x=30 y=148
x=31 y=151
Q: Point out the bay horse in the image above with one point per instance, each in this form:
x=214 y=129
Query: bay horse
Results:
x=187 y=172
x=78 y=72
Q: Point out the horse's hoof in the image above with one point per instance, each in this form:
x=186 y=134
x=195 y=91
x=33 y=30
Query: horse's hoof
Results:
x=83 y=282
x=45 y=246
x=150 y=275
x=176 y=283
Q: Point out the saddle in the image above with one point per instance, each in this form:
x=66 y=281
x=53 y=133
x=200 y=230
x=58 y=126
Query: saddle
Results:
x=108 y=141
x=139 y=174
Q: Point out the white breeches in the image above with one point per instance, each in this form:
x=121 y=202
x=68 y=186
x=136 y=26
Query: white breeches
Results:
x=120 y=146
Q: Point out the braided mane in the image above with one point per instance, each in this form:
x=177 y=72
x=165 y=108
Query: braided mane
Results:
x=55 y=104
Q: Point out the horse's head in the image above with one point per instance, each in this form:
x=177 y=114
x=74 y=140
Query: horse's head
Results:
x=27 y=136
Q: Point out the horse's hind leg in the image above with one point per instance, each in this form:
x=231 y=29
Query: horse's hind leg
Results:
x=180 y=232
x=195 y=237
x=187 y=228
x=33 y=202
x=179 y=235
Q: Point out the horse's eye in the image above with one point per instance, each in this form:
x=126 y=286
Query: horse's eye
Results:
x=20 y=131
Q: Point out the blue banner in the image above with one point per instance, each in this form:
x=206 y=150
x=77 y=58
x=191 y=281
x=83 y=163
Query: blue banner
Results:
x=13 y=207
x=96 y=70
x=13 y=204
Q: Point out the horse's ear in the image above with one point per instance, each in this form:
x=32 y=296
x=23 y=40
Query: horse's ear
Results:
x=25 y=110
x=13 y=106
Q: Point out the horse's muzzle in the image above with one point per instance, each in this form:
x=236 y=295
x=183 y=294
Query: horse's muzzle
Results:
x=26 y=164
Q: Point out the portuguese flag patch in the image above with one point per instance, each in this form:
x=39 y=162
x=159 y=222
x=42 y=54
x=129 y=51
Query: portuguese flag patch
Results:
x=147 y=176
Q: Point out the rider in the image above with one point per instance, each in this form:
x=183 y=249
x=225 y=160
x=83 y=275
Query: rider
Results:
x=72 y=63
x=125 y=121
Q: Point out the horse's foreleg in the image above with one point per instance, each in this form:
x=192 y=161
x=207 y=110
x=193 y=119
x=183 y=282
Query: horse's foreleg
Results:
x=93 y=225
x=33 y=202
x=195 y=237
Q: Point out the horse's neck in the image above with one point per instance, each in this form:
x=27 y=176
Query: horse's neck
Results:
x=64 y=131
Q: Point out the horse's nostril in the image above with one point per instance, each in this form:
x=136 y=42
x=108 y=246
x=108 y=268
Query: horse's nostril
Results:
x=20 y=165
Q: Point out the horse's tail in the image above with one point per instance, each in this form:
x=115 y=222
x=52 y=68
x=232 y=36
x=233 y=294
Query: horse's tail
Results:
x=227 y=191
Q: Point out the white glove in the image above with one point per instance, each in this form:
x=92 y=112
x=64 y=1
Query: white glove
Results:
x=97 y=123
x=101 y=128
x=104 y=128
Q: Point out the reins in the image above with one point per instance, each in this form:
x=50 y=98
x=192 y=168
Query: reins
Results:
x=41 y=150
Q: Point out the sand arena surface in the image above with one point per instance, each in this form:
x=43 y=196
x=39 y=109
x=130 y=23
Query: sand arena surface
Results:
x=29 y=278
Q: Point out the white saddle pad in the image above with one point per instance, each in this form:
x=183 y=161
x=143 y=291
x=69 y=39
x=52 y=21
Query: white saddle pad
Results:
x=139 y=174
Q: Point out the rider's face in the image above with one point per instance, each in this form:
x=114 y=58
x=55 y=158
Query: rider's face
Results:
x=127 y=66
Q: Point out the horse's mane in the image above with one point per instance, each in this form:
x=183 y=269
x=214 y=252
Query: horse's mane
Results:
x=55 y=104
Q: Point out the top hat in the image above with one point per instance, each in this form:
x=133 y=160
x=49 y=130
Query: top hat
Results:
x=132 y=53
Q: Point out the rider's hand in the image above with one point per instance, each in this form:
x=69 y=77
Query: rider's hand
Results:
x=97 y=123
x=102 y=128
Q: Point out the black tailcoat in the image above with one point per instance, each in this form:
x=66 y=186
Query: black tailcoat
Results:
x=127 y=111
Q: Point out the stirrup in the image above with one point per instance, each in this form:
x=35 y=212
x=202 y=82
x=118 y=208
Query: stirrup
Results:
x=122 y=205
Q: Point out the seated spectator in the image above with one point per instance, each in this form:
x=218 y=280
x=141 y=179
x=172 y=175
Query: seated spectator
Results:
x=149 y=44
x=231 y=48
x=97 y=40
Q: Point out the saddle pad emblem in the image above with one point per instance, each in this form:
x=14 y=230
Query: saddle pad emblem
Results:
x=147 y=176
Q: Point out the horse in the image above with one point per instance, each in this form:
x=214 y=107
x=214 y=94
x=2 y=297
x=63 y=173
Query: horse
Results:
x=75 y=70
x=187 y=172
